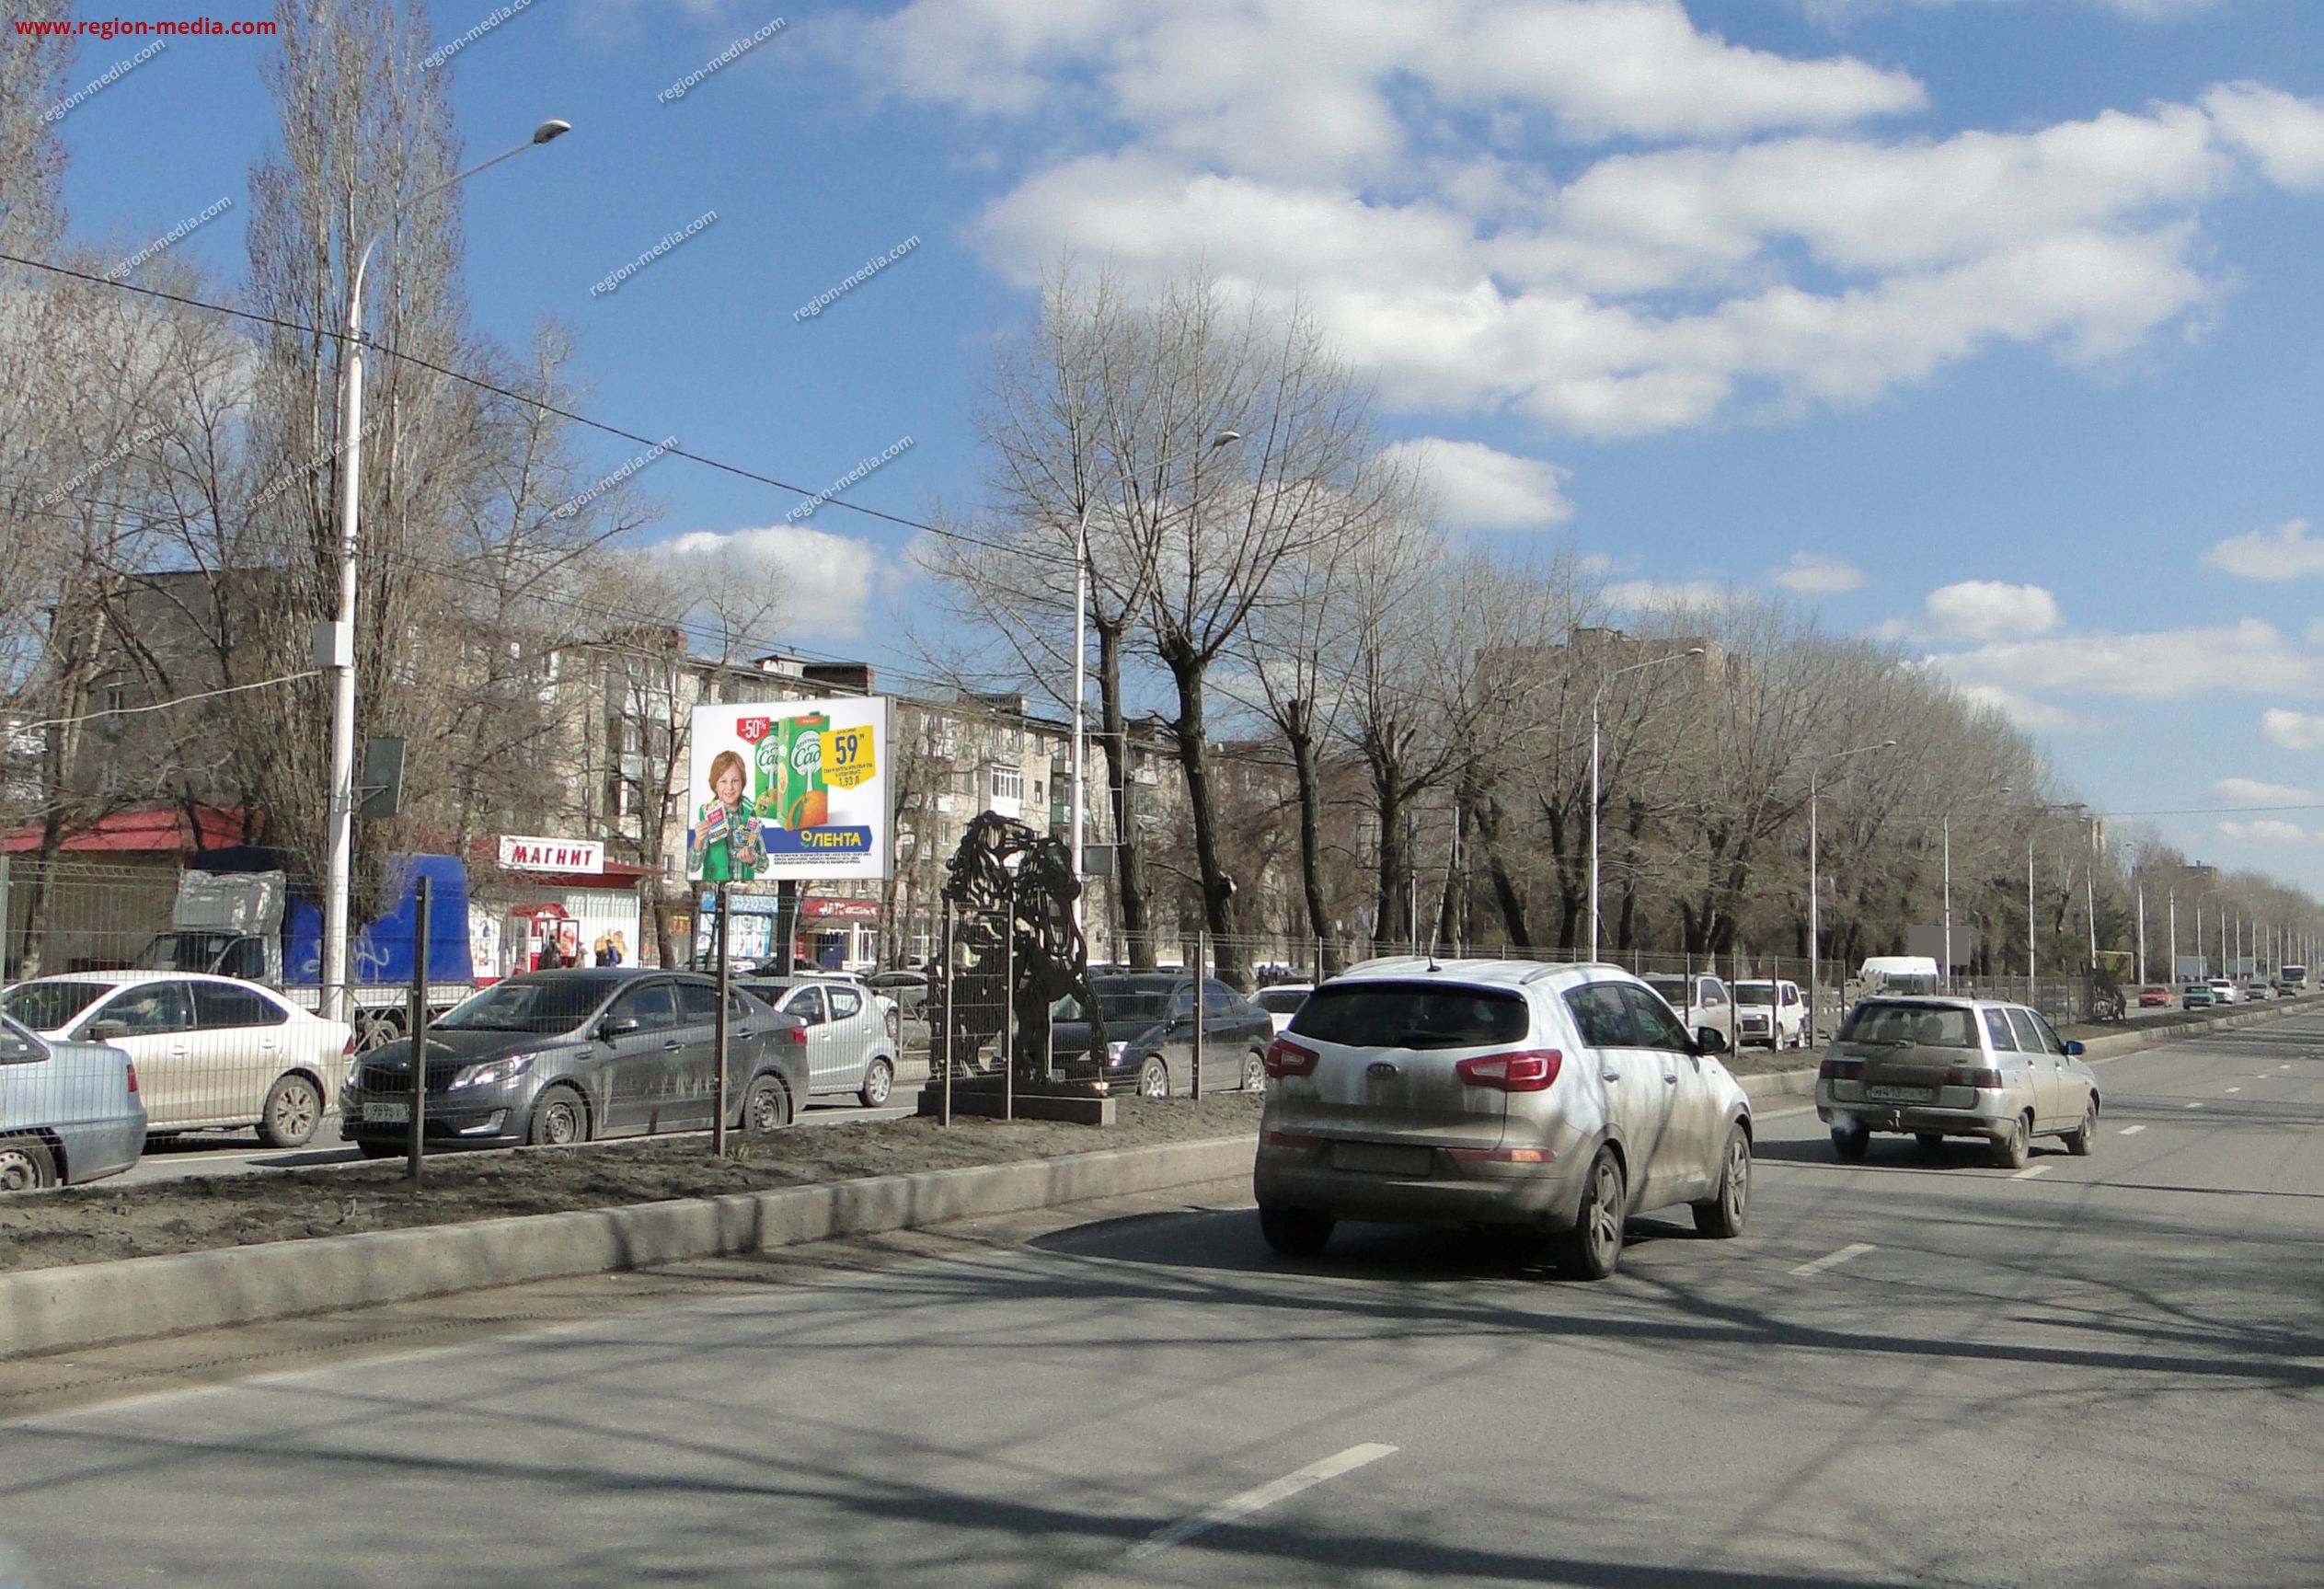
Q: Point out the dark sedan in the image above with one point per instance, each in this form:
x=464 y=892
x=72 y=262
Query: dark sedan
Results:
x=1150 y=1035
x=564 y=1056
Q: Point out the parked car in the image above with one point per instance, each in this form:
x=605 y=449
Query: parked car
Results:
x=1510 y=1094
x=558 y=1057
x=908 y=988
x=1281 y=1001
x=1772 y=1012
x=2197 y=995
x=2154 y=998
x=1150 y=1034
x=1940 y=1067
x=69 y=1111
x=1701 y=1002
x=2224 y=991
x=212 y=1053
x=851 y=1033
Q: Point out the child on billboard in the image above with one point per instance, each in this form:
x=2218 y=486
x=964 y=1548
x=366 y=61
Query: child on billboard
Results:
x=726 y=844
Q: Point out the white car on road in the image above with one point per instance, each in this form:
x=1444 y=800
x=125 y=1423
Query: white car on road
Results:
x=212 y=1053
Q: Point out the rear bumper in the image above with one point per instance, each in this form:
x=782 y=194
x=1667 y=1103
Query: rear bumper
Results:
x=1920 y=1119
x=1454 y=1191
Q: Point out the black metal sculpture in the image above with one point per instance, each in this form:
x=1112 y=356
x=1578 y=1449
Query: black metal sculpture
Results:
x=1013 y=890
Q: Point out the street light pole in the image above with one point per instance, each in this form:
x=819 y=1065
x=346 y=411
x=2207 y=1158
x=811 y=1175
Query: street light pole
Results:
x=335 y=640
x=1948 y=824
x=1596 y=700
x=1815 y=890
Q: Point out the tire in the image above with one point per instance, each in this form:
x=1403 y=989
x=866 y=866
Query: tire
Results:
x=1722 y=1217
x=2080 y=1141
x=877 y=1083
x=1154 y=1079
x=1254 y=1073
x=1592 y=1248
x=26 y=1163
x=560 y=1119
x=766 y=1105
x=379 y=1147
x=2011 y=1149
x=291 y=1113
x=1294 y=1232
x=1850 y=1142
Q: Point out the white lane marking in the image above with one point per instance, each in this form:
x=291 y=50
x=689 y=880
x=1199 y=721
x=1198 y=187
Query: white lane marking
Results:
x=1266 y=1496
x=1853 y=1250
x=2194 y=1105
x=2130 y=1130
x=2029 y=1171
x=2235 y=1089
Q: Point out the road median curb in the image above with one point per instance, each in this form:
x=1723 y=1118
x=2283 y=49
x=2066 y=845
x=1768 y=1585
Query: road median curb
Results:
x=44 y=1310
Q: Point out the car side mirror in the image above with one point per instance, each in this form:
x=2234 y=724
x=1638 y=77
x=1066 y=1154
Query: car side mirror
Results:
x=2073 y=1051
x=1710 y=1040
x=108 y=1032
x=615 y=1026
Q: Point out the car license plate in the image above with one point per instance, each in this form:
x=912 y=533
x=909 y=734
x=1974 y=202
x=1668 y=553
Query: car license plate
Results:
x=393 y=1112
x=1899 y=1094
x=1377 y=1159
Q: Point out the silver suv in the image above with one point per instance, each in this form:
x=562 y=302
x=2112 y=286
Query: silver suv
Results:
x=1509 y=1093
x=1940 y=1067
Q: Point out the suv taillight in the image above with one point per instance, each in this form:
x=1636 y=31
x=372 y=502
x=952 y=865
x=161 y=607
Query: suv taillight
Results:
x=1839 y=1070
x=1531 y=1071
x=1286 y=1057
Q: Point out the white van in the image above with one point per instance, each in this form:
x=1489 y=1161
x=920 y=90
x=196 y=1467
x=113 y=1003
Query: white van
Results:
x=1891 y=974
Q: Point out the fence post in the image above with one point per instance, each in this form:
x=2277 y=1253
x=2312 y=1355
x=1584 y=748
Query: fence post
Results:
x=1201 y=971
x=941 y=1050
x=415 y=1148
x=1008 y=1001
x=718 y=1040
x=5 y=919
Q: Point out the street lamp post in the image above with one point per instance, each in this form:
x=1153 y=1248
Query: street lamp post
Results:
x=1598 y=699
x=335 y=640
x=1948 y=825
x=1081 y=674
x=1815 y=891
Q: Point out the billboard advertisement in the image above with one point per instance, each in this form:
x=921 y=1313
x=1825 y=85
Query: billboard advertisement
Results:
x=789 y=789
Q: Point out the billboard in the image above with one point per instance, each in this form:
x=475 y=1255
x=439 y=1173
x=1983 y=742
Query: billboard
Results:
x=789 y=789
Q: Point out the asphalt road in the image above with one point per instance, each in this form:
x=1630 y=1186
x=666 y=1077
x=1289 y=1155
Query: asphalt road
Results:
x=1914 y=1370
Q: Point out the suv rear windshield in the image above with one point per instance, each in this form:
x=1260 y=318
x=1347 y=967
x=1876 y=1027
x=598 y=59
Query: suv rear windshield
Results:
x=1885 y=1022
x=1413 y=1015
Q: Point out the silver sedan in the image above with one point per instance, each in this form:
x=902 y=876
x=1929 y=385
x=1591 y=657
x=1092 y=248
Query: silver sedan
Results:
x=69 y=1111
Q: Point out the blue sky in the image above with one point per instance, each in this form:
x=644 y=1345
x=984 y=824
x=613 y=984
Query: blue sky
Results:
x=1988 y=326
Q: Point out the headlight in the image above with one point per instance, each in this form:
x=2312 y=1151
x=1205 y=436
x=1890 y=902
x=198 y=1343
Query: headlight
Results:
x=491 y=1071
x=1114 y=1051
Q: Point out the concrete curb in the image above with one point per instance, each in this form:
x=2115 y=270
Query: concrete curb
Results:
x=139 y=1298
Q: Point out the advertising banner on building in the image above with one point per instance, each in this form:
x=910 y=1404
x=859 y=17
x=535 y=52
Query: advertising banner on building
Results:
x=789 y=788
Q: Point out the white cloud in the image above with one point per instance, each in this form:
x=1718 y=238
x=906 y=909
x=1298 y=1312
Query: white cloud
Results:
x=1814 y=574
x=2292 y=731
x=1479 y=488
x=2034 y=716
x=1752 y=243
x=2268 y=829
x=2282 y=553
x=2282 y=132
x=2246 y=658
x=1988 y=610
x=2251 y=791
x=1668 y=595
x=827 y=580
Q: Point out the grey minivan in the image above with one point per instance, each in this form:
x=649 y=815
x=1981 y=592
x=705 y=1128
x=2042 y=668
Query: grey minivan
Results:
x=1941 y=1068
x=557 y=1057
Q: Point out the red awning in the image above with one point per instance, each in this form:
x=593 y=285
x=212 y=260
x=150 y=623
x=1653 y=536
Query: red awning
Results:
x=160 y=831
x=827 y=907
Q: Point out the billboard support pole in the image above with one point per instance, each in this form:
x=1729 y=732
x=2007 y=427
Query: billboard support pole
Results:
x=416 y=1146
x=717 y=1129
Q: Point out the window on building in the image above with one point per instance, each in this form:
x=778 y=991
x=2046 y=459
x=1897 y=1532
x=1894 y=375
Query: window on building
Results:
x=1008 y=783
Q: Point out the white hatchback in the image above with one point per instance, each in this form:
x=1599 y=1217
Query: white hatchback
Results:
x=212 y=1053
x=1560 y=1099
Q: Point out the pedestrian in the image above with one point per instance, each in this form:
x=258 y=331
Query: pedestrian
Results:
x=604 y=950
x=620 y=950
